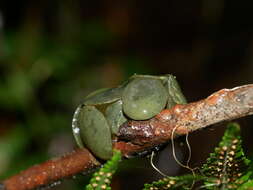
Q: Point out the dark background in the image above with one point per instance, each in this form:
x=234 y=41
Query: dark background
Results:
x=53 y=53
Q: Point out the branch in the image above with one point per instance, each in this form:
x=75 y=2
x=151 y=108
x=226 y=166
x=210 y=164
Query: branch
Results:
x=140 y=136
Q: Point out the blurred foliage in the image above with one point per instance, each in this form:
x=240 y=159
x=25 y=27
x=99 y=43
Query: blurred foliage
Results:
x=42 y=80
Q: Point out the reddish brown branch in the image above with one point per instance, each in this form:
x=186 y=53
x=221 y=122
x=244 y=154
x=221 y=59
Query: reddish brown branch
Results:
x=138 y=136
x=52 y=170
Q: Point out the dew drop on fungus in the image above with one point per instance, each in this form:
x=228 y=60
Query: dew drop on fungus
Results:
x=76 y=130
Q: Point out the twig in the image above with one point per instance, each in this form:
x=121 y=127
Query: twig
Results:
x=52 y=170
x=139 y=136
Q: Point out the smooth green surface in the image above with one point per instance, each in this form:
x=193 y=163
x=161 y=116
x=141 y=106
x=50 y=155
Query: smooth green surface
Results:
x=175 y=92
x=103 y=96
x=175 y=95
x=95 y=132
x=143 y=98
x=96 y=92
x=114 y=116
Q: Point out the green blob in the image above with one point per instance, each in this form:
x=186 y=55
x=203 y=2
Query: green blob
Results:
x=95 y=131
x=103 y=96
x=114 y=116
x=96 y=92
x=143 y=98
x=175 y=93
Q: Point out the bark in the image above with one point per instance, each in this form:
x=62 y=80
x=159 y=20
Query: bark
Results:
x=136 y=137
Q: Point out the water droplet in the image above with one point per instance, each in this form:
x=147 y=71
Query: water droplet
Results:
x=76 y=130
x=76 y=115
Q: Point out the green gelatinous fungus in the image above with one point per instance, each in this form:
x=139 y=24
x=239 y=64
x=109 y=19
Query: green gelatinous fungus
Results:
x=143 y=98
x=139 y=98
x=96 y=93
x=114 y=116
x=104 y=96
x=101 y=179
x=175 y=93
x=95 y=131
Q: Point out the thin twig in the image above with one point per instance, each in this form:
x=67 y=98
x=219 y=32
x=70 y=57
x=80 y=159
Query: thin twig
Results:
x=139 y=136
x=52 y=170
